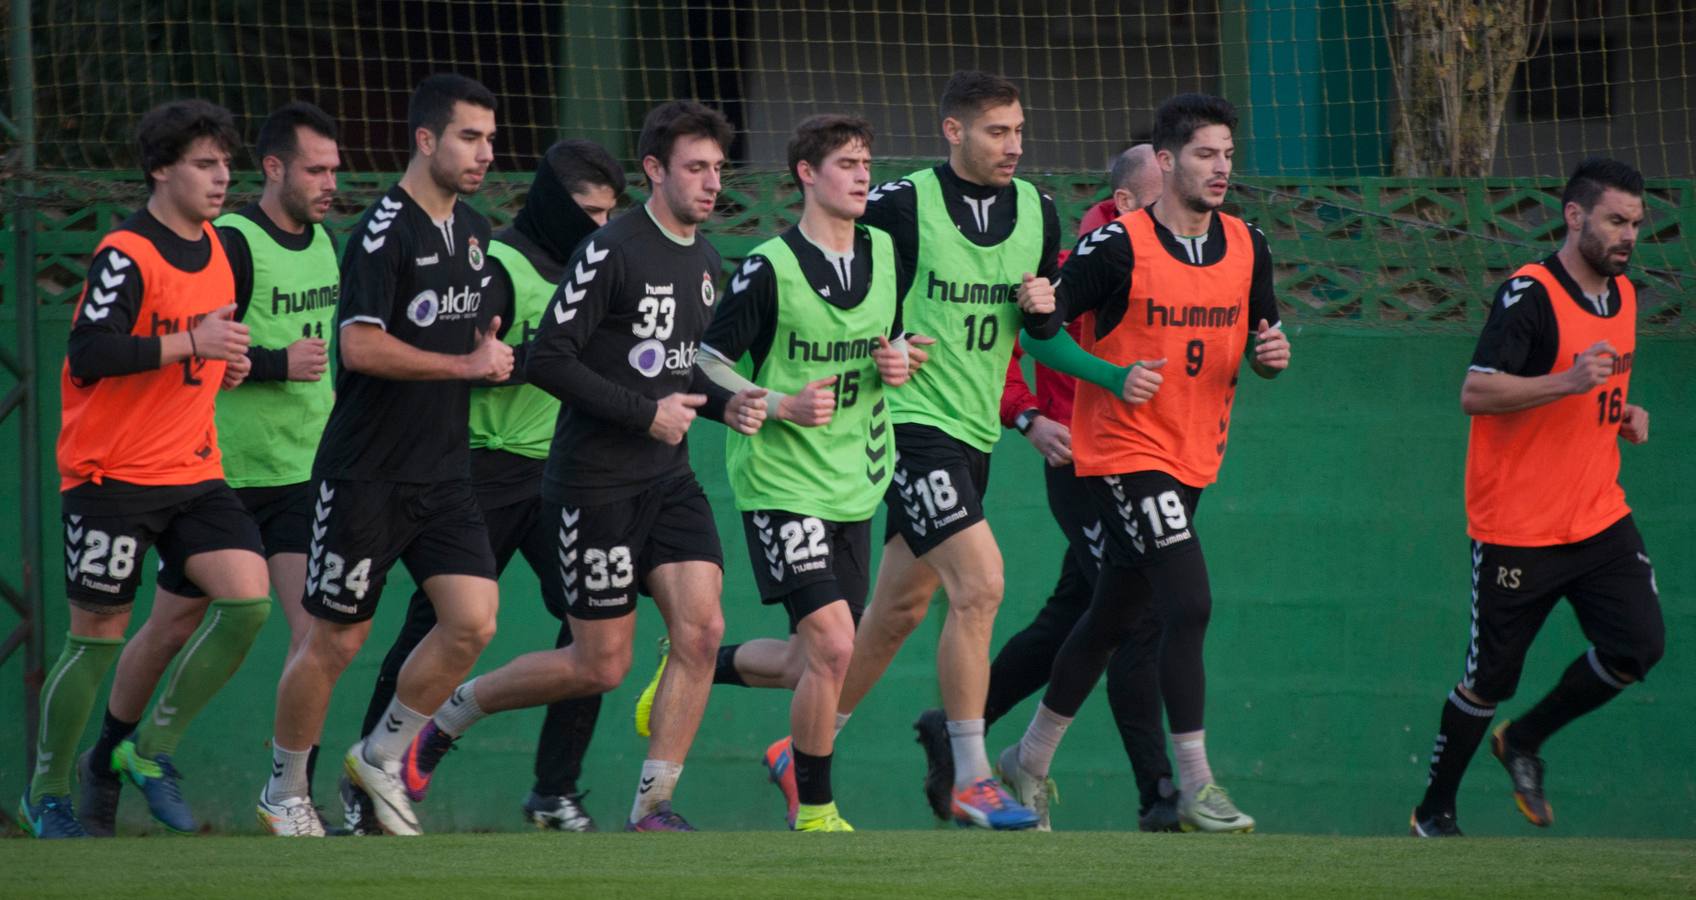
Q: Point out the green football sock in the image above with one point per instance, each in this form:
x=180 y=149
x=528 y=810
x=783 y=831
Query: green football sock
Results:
x=202 y=668
x=67 y=699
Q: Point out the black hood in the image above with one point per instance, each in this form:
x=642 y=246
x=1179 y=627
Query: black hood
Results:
x=550 y=226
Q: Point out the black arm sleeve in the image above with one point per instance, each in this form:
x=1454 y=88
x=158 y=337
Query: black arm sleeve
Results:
x=101 y=345
x=746 y=319
x=1519 y=337
x=500 y=299
x=1097 y=272
x=1048 y=265
x=1262 y=302
x=268 y=364
x=893 y=207
x=555 y=361
x=717 y=396
x=241 y=264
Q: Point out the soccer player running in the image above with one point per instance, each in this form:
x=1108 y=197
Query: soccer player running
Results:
x=809 y=318
x=978 y=246
x=1174 y=289
x=153 y=339
x=392 y=473
x=1026 y=660
x=618 y=348
x=576 y=187
x=1547 y=392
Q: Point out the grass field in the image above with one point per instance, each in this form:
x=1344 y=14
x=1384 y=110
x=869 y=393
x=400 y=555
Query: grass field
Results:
x=746 y=865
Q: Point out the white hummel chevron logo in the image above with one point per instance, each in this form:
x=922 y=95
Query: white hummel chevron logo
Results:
x=570 y=576
x=761 y=520
x=592 y=255
x=75 y=534
x=887 y=187
x=319 y=530
x=1094 y=238
x=391 y=204
x=111 y=279
x=163 y=714
x=570 y=598
x=1093 y=533
x=563 y=315
x=772 y=552
x=741 y=282
x=324 y=492
x=569 y=516
x=320 y=511
x=568 y=557
x=1518 y=286
x=385 y=216
x=102 y=297
x=96 y=313
x=372 y=245
x=377 y=227
x=117 y=262
x=582 y=275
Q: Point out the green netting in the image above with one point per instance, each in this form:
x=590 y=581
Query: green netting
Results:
x=1401 y=154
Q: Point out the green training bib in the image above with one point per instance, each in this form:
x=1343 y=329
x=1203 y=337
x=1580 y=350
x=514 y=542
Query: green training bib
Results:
x=517 y=419
x=837 y=471
x=965 y=296
x=269 y=430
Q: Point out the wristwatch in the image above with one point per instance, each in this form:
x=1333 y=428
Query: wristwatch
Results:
x=1022 y=422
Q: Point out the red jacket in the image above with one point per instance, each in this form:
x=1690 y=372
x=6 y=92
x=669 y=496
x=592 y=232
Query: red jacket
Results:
x=1054 y=391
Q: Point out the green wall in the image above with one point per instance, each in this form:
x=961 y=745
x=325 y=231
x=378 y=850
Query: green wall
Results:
x=1341 y=580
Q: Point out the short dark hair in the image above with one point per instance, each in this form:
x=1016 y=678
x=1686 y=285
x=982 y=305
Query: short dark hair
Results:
x=1594 y=176
x=166 y=131
x=1176 y=121
x=680 y=118
x=969 y=93
x=819 y=136
x=279 y=136
x=432 y=102
x=579 y=163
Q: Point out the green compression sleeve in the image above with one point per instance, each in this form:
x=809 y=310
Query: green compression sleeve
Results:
x=1062 y=354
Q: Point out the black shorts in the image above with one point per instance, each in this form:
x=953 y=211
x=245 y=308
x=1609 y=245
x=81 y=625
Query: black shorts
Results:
x=1607 y=578
x=938 y=487
x=807 y=563
x=360 y=528
x=606 y=552
x=283 y=514
x=1146 y=516
x=526 y=528
x=104 y=548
